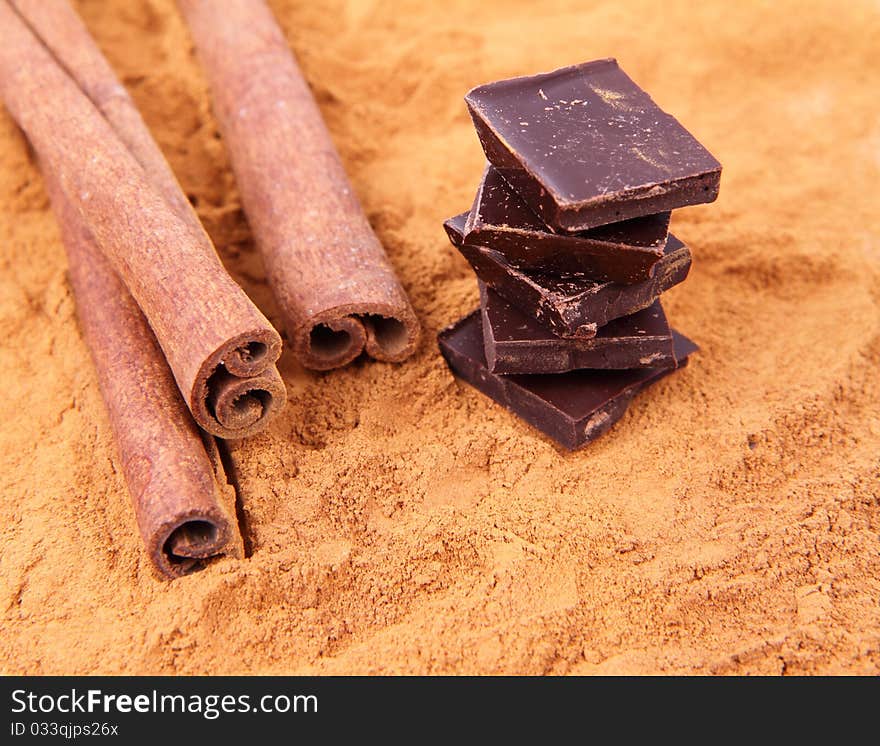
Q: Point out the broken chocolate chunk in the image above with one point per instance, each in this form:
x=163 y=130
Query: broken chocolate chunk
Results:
x=622 y=252
x=584 y=146
x=573 y=408
x=516 y=343
x=571 y=306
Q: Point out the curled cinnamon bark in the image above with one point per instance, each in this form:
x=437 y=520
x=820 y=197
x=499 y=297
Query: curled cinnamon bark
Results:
x=184 y=507
x=335 y=287
x=220 y=348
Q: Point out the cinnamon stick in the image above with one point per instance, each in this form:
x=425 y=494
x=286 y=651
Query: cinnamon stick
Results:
x=58 y=26
x=219 y=346
x=333 y=282
x=184 y=507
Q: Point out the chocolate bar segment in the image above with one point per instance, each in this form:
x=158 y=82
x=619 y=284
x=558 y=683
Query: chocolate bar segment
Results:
x=570 y=306
x=572 y=408
x=516 y=343
x=622 y=252
x=584 y=146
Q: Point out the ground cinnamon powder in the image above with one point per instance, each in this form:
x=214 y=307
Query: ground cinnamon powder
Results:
x=400 y=522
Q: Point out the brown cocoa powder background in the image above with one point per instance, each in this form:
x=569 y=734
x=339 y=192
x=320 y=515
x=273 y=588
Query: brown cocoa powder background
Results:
x=398 y=521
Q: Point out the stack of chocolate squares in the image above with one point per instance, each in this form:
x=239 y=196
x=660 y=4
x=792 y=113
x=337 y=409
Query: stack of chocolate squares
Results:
x=569 y=238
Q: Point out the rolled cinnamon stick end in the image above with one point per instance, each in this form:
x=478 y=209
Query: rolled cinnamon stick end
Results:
x=184 y=507
x=335 y=287
x=208 y=329
x=238 y=405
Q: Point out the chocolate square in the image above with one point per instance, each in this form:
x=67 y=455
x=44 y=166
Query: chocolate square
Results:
x=621 y=252
x=572 y=408
x=584 y=146
x=516 y=343
x=571 y=306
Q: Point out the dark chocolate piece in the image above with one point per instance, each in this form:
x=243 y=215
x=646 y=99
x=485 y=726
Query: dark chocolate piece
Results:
x=455 y=227
x=585 y=146
x=516 y=343
x=571 y=306
x=572 y=408
x=622 y=252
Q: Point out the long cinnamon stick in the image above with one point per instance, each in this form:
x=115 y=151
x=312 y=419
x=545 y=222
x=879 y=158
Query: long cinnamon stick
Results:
x=185 y=510
x=333 y=282
x=219 y=346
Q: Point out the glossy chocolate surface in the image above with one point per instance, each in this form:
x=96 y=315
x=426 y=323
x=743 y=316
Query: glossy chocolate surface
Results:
x=572 y=408
x=621 y=252
x=516 y=343
x=571 y=306
x=585 y=146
